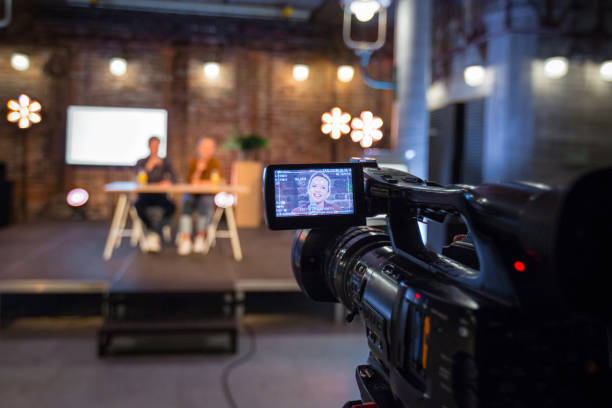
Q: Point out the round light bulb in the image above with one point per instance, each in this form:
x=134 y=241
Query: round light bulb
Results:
x=20 y=62
x=606 y=71
x=474 y=75
x=300 y=72
x=364 y=10
x=409 y=154
x=118 y=66
x=556 y=67
x=212 y=70
x=345 y=73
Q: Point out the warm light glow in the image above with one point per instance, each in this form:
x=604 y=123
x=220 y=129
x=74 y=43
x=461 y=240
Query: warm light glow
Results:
x=224 y=200
x=300 y=72
x=366 y=129
x=556 y=67
x=410 y=154
x=606 y=71
x=24 y=111
x=364 y=10
x=474 y=75
x=212 y=70
x=20 y=62
x=345 y=73
x=118 y=66
x=77 y=197
x=335 y=123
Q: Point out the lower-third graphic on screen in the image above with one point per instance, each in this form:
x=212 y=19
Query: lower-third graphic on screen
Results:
x=313 y=192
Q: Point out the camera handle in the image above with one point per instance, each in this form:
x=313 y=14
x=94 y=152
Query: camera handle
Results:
x=407 y=242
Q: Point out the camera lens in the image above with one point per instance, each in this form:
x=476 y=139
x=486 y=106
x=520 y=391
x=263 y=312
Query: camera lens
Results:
x=323 y=259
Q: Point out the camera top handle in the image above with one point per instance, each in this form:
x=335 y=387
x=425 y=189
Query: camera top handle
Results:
x=501 y=219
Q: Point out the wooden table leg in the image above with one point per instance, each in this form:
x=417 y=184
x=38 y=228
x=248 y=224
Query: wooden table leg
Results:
x=233 y=233
x=212 y=229
x=114 y=233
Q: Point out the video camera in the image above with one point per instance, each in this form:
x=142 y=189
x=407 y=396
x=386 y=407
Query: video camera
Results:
x=514 y=315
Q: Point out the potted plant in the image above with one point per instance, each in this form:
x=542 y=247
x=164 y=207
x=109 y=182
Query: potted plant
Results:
x=247 y=144
x=246 y=171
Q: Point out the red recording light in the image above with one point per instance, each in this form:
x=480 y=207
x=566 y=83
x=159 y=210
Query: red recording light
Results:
x=417 y=295
x=519 y=266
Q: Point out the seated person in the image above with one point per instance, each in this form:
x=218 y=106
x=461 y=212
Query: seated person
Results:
x=158 y=171
x=202 y=169
x=319 y=189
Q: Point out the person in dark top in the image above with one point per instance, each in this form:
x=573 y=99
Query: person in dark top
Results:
x=319 y=189
x=203 y=168
x=159 y=171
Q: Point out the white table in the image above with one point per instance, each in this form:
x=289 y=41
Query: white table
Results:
x=125 y=210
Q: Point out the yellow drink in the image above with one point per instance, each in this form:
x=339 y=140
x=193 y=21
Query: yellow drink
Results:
x=142 y=177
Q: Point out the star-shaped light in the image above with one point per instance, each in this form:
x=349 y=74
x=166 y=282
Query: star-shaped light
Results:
x=366 y=129
x=335 y=123
x=24 y=111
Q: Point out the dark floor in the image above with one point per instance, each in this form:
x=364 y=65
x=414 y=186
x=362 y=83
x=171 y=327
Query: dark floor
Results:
x=300 y=361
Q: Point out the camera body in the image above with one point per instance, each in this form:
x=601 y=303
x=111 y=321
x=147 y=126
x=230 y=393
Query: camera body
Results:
x=511 y=317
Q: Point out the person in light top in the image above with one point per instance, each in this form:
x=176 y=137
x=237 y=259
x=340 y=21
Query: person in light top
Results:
x=202 y=169
x=319 y=190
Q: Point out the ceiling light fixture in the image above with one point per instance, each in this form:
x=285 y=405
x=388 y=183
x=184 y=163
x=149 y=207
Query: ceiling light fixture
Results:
x=345 y=73
x=300 y=72
x=118 y=66
x=556 y=67
x=20 y=62
x=212 y=70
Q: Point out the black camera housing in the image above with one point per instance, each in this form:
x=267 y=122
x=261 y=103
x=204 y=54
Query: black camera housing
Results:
x=517 y=316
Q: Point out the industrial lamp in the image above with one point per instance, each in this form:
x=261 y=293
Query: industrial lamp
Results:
x=365 y=10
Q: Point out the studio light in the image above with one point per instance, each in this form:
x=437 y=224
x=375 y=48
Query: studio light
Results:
x=556 y=67
x=118 y=66
x=300 y=72
x=212 y=70
x=366 y=129
x=335 y=123
x=23 y=111
x=606 y=71
x=364 y=10
x=345 y=73
x=474 y=75
x=77 y=197
x=20 y=62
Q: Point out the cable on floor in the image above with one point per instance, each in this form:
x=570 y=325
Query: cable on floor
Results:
x=227 y=392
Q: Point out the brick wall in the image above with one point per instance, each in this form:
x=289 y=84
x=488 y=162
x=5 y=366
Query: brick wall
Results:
x=255 y=92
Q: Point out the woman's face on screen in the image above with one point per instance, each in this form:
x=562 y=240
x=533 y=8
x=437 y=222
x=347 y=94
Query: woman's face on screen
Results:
x=319 y=190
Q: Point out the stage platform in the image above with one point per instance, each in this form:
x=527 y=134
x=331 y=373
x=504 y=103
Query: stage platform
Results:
x=66 y=257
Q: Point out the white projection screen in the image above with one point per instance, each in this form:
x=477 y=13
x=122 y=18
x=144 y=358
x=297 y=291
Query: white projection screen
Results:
x=103 y=136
